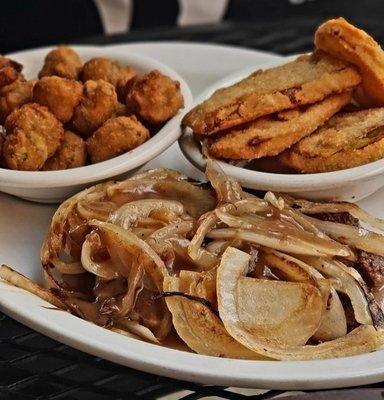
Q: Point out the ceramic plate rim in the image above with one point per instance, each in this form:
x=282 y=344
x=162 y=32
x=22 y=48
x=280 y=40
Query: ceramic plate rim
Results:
x=189 y=366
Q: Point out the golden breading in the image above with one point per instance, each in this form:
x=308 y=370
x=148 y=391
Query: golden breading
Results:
x=346 y=42
x=72 y=153
x=308 y=79
x=154 y=96
x=14 y=96
x=98 y=103
x=117 y=136
x=33 y=135
x=10 y=71
x=106 y=69
x=269 y=136
x=109 y=70
x=8 y=75
x=7 y=62
x=60 y=95
x=121 y=110
x=62 y=61
x=346 y=140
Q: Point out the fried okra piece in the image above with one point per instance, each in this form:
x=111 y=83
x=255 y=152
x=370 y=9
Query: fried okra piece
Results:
x=72 y=153
x=98 y=103
x=60 y=95
x=121 y=110
x=13 y=96
x=62 y=61
x=117 y=136
x=109 y=70
x=154 y=96
x=33 y=135
x=10 y=71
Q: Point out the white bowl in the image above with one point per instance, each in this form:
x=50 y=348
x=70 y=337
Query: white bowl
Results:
x=55 y=186
x=351 y=184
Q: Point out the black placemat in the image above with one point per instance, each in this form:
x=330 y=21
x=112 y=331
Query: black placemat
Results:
x=290 y=36
x=35 y=367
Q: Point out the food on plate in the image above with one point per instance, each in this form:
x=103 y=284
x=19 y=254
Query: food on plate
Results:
x=14 y=95
x=8 y=75
x=60 y=95
x=154 y=97
x=33 y=135
x=72 y=153
x=90 y=100
x=270 y=135
x=10 y=71
x=116 y=136
x=109 y=70
x=307 y=116
x=97 y=104
x=232 y=274
x=340 y=39
x=346 y=140
x=121 y=111
x=308 y=79
x=63 y=61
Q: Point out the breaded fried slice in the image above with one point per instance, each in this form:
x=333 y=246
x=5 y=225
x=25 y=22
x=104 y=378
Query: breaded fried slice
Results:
x=340 y=39
x=308 y=79
x=347 y=140
x=269 y=136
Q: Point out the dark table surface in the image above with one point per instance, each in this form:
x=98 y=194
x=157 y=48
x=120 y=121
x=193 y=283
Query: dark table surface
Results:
x=33 y=366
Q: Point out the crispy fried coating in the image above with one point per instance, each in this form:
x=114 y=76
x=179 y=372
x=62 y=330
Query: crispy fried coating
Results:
x=121 y=110
x=60 y=95
x=98 y=103
x=62 y=61
x=117 y=136
x=106 y=69
x=269 y=136
x=33 y=135
x=10 y=71
x=72 y=153
x=109 y=70
x=308 y=79
x=7 y=62
x=8 y=75
x=154 y=96
x=14 y=96
x=346 y=140
x=346 y=42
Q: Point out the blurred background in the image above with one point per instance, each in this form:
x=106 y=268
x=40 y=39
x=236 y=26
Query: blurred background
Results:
x=282 y=26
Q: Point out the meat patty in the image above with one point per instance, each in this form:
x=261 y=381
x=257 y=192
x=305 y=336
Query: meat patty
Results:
x=339 y=217
x=371 y=267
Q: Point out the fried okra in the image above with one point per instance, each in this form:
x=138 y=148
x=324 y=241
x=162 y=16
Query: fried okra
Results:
x=154 y=96
x=117 y=136
x=14 y=96
x=98 y=103
x=60 y=95
x=62 y=61
x=109 y=70
x=72 y=153
x=10 y=71
x=33 y=135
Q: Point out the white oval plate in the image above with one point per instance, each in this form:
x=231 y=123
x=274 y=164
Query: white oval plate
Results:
x=23 y=226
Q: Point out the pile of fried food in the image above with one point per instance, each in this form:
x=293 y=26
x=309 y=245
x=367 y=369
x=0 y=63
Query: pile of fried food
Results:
x=322 y=112
x=75 y=114
x=232 y=275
